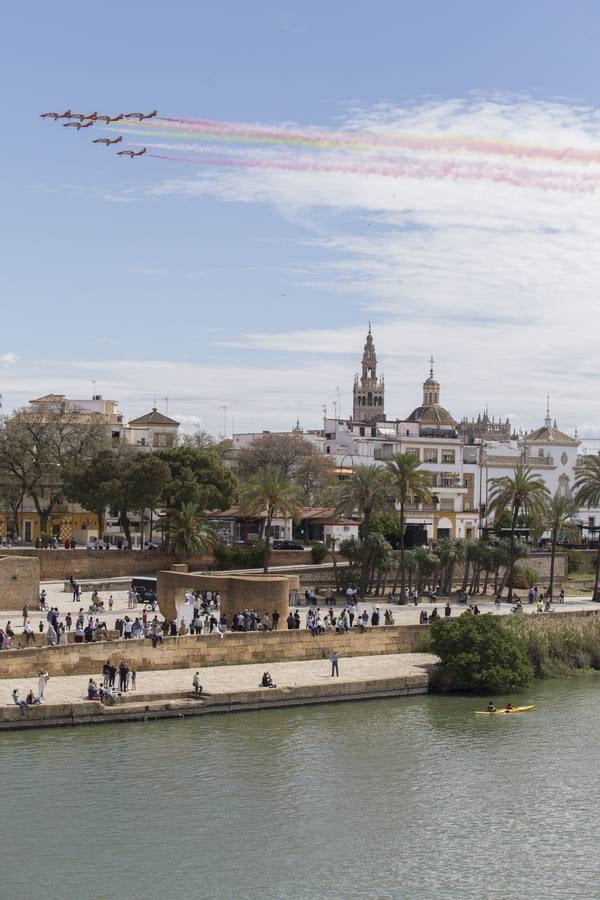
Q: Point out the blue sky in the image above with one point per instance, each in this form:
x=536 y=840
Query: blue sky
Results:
x=252 y=290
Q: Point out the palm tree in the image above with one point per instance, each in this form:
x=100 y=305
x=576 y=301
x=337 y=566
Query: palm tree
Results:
x=587 y=487
x=409 y=485
x=190 y=531
x=270 y=490
x=522 y=493
x=558 y=517
x=367 y=491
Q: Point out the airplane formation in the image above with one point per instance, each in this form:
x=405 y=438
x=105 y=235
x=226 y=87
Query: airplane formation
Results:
x=80 y=120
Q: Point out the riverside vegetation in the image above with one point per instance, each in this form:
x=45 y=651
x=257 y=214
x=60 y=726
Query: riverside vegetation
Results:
x=492 y=654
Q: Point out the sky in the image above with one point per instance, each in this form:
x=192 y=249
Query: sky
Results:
x=240 y=285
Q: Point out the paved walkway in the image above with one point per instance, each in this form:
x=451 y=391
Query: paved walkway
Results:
x=403 y=615
x=230 y=679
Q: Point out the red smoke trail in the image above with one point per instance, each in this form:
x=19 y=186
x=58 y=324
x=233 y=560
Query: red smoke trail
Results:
x=419 y=169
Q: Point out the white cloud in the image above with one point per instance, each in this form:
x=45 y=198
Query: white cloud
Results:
x=8 y=359
x=500 y=283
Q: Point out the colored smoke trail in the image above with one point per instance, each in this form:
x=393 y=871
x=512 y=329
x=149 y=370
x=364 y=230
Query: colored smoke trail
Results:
x=365 y=141
x=545 y=180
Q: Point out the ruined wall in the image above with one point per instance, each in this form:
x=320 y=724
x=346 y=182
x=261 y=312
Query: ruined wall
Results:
x=19 y=582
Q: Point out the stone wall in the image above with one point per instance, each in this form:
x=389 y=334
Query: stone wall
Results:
x=204 y=650
x=58 y=565
x=19 y=582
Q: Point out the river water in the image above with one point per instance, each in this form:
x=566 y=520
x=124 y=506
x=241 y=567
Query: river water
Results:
x=407 y=798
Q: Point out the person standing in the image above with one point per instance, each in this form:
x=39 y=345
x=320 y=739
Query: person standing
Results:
x=335 y=659
x=42 y=682
x=123 y=675
x=498 y=602
x=25 y=615
x=133 y=679
x=351 y=613
x=275 y=619
x=196 y=684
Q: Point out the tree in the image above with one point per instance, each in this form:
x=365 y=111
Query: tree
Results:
x=197 y=476
x=524 y=492
x=40 y=449
x=587 y=487
x=368 y=492
x=558 y=519
x=409 y=485
x=190 y=531
x=91 y=486
x=481 y=654
x=202 y=440
x=270 y=490
x=301 y=460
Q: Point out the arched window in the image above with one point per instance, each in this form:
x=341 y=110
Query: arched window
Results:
x=369 y=399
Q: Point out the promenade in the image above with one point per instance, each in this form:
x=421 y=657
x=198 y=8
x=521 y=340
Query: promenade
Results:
x=162 y=694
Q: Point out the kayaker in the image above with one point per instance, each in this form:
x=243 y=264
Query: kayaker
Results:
x=491 y=707
x=508 y=707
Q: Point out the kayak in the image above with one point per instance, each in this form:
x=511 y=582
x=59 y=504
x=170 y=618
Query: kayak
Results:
x=504 y=712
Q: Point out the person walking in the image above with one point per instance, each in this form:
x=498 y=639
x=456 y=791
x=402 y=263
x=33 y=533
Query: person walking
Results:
x=43 y=678
x=335 y=659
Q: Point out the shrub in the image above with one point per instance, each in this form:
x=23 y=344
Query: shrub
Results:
x=318 y=552
x=480 y=654
x=240 y=557
x=574 y=560
x=525 y=578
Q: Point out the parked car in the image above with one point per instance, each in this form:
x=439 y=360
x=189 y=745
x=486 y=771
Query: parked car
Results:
x=287 y=545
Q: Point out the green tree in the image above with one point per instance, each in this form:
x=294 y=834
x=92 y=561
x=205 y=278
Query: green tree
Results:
x=190 y=531
x=270 y=490
x=91 y=484
x=409 y=485
x=557 y=518
x=522 y=493
x=198 y=476
x=587 y=488
x=368 y=492
x=481 y=654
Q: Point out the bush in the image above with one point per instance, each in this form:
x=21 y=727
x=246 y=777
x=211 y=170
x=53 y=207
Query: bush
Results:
x=525 y=578
x=318 y=552
x=240 y=557
x=574 y=560
x=480 y=654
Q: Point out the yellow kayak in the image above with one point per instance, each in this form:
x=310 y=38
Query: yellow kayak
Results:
x=504 y=712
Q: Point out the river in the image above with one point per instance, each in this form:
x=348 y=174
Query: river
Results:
x=407 y=798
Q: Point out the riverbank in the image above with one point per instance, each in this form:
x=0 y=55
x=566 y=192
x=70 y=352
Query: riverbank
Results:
x=169 y=694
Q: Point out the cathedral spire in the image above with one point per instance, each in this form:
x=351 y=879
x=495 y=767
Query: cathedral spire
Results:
x=368 y=389
x=548 y=420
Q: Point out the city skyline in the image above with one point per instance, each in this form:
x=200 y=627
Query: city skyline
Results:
x=251 y=288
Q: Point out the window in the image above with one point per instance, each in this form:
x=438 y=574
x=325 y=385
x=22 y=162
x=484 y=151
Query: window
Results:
x=448 y=456
x=373 y=432
x=362 y=431
x=448 y=505
x=413 y=451
x=430 y=456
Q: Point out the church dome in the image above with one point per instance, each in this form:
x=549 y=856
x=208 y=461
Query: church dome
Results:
x=431 y=415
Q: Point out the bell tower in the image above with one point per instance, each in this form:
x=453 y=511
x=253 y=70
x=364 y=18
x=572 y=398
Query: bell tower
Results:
x=369 y=390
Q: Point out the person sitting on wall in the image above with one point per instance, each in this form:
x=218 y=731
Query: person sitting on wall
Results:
x=92 y=690
x=267 y=681
x=423 y=619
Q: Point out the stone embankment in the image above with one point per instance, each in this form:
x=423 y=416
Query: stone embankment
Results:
x=227 y=689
